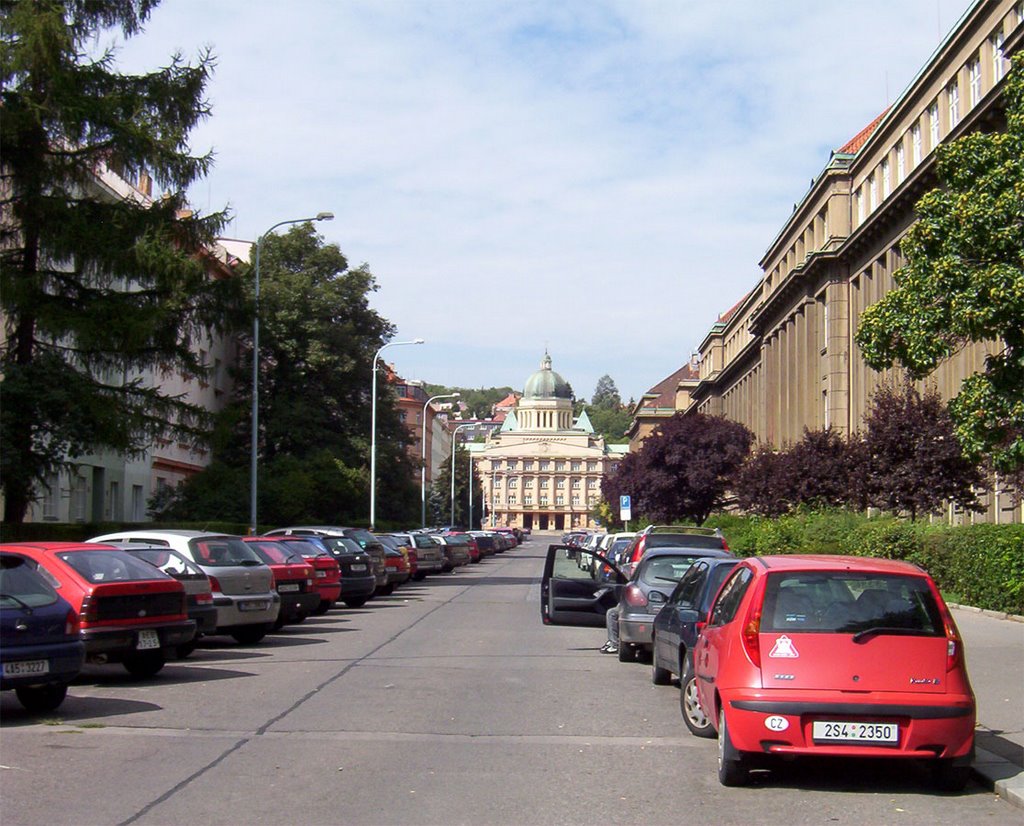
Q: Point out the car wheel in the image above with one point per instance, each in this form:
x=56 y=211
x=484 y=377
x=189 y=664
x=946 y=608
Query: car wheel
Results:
x=185 y=649
x=355 y=602
x=322 y=608
x=627 y=654
x=279 y=623
x=386 y=590
x=689 y=704
x=40 y=698
x=659 y=675
x=419 y=577
x=145 y=665
x=249 y=634
x=949 y=777
x=731 y=771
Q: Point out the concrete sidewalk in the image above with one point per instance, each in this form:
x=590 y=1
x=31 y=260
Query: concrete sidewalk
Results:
x=994 y=644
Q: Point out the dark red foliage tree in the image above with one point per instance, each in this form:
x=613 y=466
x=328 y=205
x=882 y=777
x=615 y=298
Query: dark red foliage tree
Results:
x=916 y=462
x=686 y=466
x=761 y=485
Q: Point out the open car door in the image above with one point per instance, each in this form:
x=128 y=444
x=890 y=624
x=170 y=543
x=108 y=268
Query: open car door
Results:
x=578 y=587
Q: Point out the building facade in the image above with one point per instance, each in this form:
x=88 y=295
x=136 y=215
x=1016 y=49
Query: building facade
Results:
x=543 y=469
x=784 y=357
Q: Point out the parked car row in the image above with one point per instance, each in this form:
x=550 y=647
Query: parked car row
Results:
x=783 y=657
x=138 y=597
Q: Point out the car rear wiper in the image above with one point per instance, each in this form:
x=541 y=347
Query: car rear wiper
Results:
x=21 y=602
x=252 y=563
x=860 y=636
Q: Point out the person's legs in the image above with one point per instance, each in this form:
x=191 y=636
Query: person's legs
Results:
x=611 y=619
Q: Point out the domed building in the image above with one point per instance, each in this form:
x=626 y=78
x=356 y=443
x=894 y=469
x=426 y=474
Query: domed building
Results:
x=543 y=469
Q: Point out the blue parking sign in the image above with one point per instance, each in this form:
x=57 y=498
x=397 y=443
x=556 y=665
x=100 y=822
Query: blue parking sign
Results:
x=624 y=502
x=625 y=509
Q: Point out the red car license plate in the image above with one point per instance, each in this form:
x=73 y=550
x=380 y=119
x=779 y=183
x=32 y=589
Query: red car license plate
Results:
x=831 y=731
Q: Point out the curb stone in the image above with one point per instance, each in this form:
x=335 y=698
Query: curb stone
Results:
x=987 y=612
x=999 y=775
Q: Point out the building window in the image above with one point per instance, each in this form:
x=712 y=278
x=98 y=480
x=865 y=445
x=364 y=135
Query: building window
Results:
x=591 y=465
x=137 y=503
x=858 y=197
x=511 y=498
x=915 y=144
x=527 y=465
x=544 y=484
x=51 y=497
x=592 y=501
x=591 y=484
x=933 y=125
x=885 y=177
x=872 y=192
x=575 y=484
x=974 y=79
x=998 y=59
x=560 y=484
x=615 y=467
x=901 y=164
x=953 y=98
x=513 y=482
x=543 y=501
x=402 y=415
x=527 y=499
x=559 y=500
x=559 y=465
x=545 y=465
x=79 y=495
x=824 y=406
x=575 y=500
x=577 y=465
x=497 y=481
x=497 y=498
x=510 y=465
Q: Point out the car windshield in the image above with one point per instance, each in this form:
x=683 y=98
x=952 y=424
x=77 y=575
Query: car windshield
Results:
x=658 y=570
x=684 y=540
x=364 y=538
x=308 y=547
x=275 y=553
x=110 y=566
x=21 y=586
x=849 y=602
x=170 y=562
x=221 y=551
x=342 y=545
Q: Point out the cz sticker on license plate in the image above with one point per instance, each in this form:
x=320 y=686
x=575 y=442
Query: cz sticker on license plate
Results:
x=835 y=731
x=147 y=639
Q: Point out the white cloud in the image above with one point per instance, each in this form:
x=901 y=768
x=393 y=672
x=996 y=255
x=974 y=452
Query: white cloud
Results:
x=600 y=177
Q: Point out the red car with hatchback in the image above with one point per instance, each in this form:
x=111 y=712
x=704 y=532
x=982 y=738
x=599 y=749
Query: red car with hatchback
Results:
x=824 y=656
x=294 y=579
x=127 y=610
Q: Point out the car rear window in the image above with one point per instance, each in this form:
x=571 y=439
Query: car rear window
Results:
x=661 y=569
x=171 y=563
x=222 y=551
x=110 y=566
x=276 y=553
x=423 y=541
x=21 y=586
x=364 y=538
x=341 y=544
x=308 y=547
x=683 y=540
x=849 y=602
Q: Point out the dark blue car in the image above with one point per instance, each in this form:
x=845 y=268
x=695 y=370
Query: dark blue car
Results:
x=675 y=635
x=40 y=652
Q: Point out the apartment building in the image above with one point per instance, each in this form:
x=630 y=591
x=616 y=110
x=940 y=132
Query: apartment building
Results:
x=784 y=357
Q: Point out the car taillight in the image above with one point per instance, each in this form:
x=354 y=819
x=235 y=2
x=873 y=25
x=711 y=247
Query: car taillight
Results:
x=204 y=599
x=71 y=623
x=273 y=581
x=214 y=585
x=90 y=611
x=752 y=632
x=954 y=647
x=635 y=596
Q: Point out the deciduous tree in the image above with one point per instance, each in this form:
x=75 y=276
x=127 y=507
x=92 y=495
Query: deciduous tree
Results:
x=96 y=290
x=964 y=282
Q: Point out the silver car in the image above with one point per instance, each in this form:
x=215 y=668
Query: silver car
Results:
x=429 y=556
x=243 y=587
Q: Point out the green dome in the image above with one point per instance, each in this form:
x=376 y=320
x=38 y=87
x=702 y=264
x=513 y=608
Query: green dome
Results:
x=546 y=383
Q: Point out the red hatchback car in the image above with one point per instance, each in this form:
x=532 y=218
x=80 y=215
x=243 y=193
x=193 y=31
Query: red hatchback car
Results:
x=294 y=579
x=127 y=610
x=828 y=656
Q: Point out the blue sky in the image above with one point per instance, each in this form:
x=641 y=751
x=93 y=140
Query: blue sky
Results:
x=595 y=177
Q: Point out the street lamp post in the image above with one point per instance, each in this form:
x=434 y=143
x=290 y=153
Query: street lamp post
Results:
x=423 y=456
x=373 y=428
x=320 y=216
x=470 y=491
x=454 y=445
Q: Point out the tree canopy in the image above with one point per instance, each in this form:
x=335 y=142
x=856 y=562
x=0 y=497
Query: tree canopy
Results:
x=606 y=394
x=683 y=469
x=98 y=292
x=964 y=282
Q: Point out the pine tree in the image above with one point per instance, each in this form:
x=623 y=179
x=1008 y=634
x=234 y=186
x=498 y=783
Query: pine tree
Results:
x=95 y=289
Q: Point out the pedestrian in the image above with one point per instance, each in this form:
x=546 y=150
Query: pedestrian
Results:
x=611 y=620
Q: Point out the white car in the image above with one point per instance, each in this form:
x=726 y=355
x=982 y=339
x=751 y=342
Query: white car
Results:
x=243 y=587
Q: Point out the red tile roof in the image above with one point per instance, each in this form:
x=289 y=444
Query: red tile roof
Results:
x=665 y=390
x=857 y=141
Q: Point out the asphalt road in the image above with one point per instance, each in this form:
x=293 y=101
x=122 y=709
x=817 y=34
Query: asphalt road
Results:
x=447 y=703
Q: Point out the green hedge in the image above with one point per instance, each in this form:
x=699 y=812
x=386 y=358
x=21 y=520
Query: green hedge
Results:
x=979 y=565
